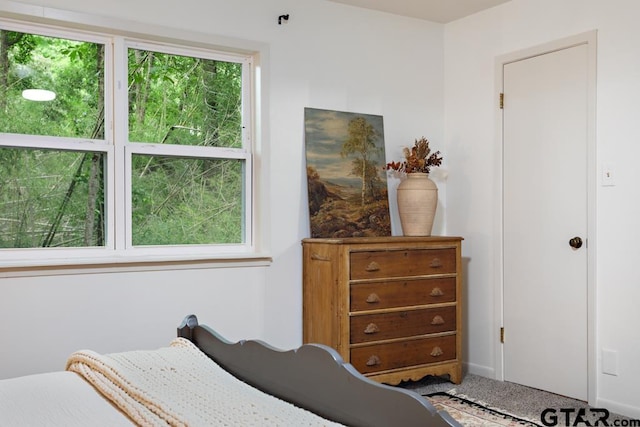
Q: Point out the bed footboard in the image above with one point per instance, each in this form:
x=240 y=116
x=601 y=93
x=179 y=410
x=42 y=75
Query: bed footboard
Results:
x=316 y=378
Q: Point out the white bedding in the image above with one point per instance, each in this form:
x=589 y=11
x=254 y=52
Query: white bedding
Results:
x=55 y=399
x=176 y=385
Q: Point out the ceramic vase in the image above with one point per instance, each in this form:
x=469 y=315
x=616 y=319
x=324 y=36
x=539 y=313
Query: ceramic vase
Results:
x=417 y=202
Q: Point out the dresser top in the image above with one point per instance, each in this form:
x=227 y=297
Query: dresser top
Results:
x=387 y=239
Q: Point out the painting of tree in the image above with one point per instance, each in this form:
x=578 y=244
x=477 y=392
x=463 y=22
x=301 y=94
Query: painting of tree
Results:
x=346 y=180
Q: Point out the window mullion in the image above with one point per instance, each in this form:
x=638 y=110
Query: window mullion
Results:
x=122 y=169
x=188 y=151
x=249 y=116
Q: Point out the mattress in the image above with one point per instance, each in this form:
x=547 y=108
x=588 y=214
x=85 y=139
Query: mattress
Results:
x=56 y=399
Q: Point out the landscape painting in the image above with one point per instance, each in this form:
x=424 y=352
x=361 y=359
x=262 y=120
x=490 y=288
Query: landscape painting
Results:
x=346 y=178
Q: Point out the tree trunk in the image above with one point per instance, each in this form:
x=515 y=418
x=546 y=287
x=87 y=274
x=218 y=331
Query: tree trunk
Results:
x=4 y=68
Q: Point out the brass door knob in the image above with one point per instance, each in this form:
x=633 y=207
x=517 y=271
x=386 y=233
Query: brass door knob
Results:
x=575 y=242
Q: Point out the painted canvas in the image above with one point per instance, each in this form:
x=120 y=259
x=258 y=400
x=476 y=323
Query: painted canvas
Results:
x=346 y=179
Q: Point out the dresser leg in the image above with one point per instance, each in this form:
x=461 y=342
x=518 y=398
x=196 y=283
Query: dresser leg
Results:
x=455 y=375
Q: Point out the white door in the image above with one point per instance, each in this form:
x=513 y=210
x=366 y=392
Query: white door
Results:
x=545 y=136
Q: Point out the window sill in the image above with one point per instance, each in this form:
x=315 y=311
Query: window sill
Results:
x=44 y=267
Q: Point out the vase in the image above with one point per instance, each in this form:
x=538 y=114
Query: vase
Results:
x=417 y=202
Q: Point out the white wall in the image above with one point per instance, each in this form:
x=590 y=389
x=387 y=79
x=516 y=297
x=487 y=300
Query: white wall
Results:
x=327 y=56
x=44 y=319
x=471 y=48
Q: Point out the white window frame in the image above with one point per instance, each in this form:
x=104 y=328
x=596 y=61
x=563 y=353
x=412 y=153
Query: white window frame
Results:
x=118 y=247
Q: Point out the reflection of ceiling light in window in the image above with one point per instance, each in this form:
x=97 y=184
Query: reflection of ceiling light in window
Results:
x=38 y=95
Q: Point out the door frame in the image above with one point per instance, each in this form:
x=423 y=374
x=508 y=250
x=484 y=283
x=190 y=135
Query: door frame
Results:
x=589 y=38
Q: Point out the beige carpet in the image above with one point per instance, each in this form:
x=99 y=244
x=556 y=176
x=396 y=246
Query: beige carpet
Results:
x=524 y=402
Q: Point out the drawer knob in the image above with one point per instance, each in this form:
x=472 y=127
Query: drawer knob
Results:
x=437 y=351
x=371 y=328
x=373 y=298
x=435 y=263
x=437 y=320
x=436 y=292
x=373 y=361
x=373 y=266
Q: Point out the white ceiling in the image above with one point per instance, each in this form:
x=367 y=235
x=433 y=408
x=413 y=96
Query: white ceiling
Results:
x=432 y=10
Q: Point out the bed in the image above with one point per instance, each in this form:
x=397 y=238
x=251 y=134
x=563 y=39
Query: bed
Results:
x=203 y=379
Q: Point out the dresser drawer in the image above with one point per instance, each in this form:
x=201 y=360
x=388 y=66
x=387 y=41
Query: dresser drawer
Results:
x=382 y=357
x=401 y=324
x=402 y=263
x=377 y=295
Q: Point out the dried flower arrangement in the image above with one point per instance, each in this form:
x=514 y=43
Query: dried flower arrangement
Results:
x=418 y=159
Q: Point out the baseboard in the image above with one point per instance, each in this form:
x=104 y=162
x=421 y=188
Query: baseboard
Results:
x=483 y=371
x=619 y=408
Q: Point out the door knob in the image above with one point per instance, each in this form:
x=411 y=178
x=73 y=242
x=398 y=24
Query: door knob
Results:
x=575 y=242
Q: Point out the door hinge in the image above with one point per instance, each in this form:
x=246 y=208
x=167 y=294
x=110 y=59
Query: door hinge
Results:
x=502 y=101
x=502 y=335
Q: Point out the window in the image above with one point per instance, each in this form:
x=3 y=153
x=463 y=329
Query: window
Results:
x=116 y=146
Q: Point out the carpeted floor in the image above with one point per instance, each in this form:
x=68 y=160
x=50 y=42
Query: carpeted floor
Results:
x=514 y=398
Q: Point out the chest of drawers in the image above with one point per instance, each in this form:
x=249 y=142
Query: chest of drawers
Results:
x=391 y=306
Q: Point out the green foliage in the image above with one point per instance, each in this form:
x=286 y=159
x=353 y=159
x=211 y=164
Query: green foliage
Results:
x=69 y=68
x=33 y=186
x=201 y=204
x=56 y=198
x=184 y=100
x=24 y=44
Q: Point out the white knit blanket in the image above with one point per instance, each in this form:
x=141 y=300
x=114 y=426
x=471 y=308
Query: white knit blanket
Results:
x=180 y=386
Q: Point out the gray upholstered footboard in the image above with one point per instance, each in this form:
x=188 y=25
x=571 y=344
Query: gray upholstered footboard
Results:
x=316 y=378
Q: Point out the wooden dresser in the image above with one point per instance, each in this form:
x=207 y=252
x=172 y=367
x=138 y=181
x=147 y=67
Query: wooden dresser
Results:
x=391 y=306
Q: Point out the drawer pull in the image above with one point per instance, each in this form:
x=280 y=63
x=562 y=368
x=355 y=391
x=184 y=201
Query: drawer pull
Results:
x=373 y=298
x=373 y=361
x=437 y=351
x=437 y=320
x=371 y=328
x=435 y=263
x=436 y=292
x=373 y=266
